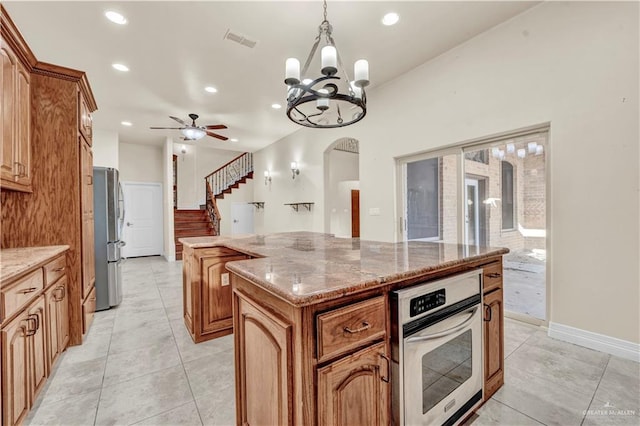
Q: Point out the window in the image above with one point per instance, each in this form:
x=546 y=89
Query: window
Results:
x=508 y=203
x=423 y=199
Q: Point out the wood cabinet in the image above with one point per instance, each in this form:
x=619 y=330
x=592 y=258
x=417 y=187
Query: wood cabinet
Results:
x=57 y=312
x=24 y=368
x=355 y=389
x=34 y=329
x=323 y=364
x=207 y=292
x=86 y=201
x=264 y=344
x=15 y=158
x=85 y=120
x=493 y=321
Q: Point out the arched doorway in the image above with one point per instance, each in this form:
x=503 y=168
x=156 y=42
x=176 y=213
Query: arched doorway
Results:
x=342 y=188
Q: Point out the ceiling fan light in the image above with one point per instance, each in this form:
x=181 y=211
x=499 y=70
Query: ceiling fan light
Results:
x=193 y=133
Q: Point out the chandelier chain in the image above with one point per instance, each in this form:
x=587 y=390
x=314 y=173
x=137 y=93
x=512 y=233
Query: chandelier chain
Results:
x=324 y=6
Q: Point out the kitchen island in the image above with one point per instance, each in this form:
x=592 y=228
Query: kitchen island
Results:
x=312 y=318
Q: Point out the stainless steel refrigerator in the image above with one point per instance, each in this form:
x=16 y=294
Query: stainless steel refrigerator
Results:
x=108 y=208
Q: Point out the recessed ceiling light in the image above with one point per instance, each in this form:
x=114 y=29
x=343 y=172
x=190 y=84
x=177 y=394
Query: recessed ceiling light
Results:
x=390 y=18
x=120 y=67
x=211 y=89
x=126 y=123
x=276 y=106
x=115 y=17
x=233 y=140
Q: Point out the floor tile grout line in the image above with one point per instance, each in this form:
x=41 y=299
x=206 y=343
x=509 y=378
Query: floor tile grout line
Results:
x=593 y=397
x=518 y=411
x=180 y=356
x=106 y=361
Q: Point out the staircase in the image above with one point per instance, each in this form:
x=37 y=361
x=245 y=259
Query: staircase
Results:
x=223 y=181
x=190 y=223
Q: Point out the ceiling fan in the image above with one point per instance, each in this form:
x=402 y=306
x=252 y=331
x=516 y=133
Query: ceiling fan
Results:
x=192 y=132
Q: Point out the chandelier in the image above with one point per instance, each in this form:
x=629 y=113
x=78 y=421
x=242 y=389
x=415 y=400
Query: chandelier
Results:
x=319 y=102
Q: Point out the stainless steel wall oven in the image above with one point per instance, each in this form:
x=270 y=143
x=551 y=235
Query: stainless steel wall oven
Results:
x=436 y=350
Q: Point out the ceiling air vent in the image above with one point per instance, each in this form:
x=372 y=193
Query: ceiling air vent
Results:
x=239 y=38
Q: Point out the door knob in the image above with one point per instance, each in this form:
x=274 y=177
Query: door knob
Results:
x=129 y=224
x=235 y=221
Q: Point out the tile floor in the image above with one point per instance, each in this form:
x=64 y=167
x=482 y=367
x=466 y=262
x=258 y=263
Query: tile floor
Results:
x=139 y=366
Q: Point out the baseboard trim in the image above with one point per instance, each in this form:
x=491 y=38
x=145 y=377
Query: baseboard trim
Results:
x=599 y=342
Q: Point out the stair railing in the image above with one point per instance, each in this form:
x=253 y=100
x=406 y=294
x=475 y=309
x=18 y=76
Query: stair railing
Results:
x=226 y=176
x=212 y=210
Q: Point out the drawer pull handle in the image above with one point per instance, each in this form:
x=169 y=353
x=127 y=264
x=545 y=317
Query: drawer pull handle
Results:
x=365 y=326
x=494 y=275
x=29 y=290
x=60 y=269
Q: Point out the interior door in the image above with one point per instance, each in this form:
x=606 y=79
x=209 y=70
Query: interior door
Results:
x=143 y=230
x=241 y=218
x=355 y=213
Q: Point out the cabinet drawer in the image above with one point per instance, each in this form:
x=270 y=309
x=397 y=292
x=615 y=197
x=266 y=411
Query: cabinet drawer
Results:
x=20 y=293
x=54 y=270
x=492 y=276
x=347 y=328
x=88 y=309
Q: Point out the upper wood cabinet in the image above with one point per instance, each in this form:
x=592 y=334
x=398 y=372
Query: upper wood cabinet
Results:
x=85 y=121
x=15 y=158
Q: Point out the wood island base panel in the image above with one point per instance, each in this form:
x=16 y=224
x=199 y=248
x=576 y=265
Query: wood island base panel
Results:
x=312 y=323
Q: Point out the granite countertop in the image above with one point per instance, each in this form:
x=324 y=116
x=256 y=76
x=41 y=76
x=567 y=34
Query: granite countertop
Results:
x=16 y=261
x=304 y=268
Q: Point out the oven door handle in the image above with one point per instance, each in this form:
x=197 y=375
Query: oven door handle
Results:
x=445 y=332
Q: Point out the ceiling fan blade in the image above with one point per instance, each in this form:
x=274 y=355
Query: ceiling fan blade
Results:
x=215 y=126
x=213 y=135
x=171 y=128
x=178 y=120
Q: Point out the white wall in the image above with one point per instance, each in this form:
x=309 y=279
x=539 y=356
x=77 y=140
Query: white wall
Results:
x=197 y=162
x=244 y=193
x=105 y=149
x=343 y=176
x=169 y=240
x=141 y=163
x=574 y=65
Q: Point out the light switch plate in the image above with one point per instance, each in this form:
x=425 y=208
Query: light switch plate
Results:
x=225 y=279
x=374 y=211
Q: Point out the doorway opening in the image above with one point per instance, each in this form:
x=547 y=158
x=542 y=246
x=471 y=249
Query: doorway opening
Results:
x=342 y=188
x=492 y=193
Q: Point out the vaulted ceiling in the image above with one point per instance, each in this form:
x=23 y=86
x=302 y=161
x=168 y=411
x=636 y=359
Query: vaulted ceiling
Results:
x=175 y=49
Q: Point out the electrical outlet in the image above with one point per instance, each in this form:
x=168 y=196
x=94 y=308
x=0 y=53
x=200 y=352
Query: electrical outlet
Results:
x=225 y=279
x=374 y=211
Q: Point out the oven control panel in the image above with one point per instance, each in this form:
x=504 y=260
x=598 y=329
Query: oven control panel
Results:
x=427 y=302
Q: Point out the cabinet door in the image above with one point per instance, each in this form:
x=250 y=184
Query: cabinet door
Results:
x=494 y=342
x=216 y=293
x=355 y=389
x=88 y=244
x=264 y=363
x=15 y=370
x=23 y=126
x=7 y=105
x=51 y=311
x=63 y=315
x=37 y=348
x=85 y=122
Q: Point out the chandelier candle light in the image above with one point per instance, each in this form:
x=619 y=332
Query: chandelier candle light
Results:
x=319 y=103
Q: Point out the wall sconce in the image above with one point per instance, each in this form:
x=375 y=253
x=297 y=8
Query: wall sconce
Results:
x=294 y=169
x=267 y=177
